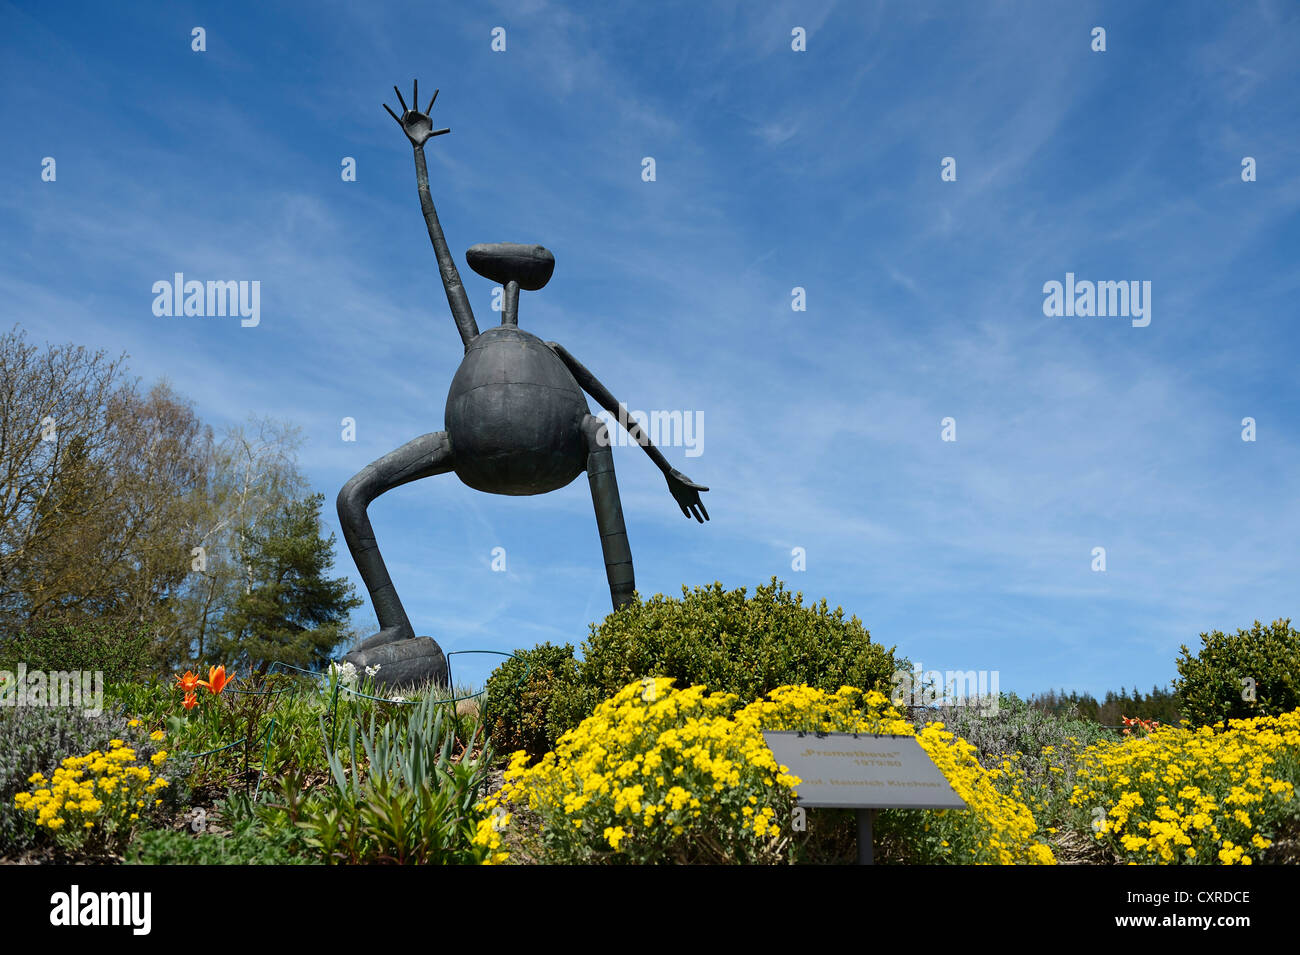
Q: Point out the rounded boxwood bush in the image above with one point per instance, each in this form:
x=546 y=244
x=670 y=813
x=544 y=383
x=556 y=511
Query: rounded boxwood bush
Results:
x=725 y=640
x=530 y=698
x=735 y=643
x=1217 y=683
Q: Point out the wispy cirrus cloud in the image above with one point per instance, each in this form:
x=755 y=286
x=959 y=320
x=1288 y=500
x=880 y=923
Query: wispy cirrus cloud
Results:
x=775 y=170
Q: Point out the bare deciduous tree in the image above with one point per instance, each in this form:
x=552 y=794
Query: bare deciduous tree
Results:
x=52 y=406
x=101 y=488
x=252 y=474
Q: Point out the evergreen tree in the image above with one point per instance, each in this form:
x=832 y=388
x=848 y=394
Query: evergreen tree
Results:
x=1088 y=707
x=291 y=611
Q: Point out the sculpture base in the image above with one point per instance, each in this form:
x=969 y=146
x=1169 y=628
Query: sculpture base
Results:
x=404 y=664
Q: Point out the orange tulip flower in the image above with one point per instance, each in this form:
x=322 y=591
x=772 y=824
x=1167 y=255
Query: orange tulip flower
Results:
x=191 y=700
x=217 y=679
x=188 y=682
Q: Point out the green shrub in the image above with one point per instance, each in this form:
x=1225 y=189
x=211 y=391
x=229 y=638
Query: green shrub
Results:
x=725 y=640
x=531 y=698
x=121 y=651
x=733 y=643
x=1211 y=685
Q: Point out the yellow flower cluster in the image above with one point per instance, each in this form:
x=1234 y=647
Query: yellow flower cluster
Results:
x=487 y=836
x=1208 y=795
x=104 y=789
x=658 y=774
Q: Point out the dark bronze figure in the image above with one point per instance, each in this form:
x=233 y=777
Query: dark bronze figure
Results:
x=517 y=423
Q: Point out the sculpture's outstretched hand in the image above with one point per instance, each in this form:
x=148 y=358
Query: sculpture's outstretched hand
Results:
x=687 y=494
x=417 y=126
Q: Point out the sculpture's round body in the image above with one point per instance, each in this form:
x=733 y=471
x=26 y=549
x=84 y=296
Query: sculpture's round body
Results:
x=514 y=416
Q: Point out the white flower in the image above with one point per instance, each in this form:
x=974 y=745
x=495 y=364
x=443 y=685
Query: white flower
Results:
x=372 y=671
x=397 y=699
x=344 y=673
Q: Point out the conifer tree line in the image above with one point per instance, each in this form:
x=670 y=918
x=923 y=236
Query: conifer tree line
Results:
x=123 y=513
x=1161 y=705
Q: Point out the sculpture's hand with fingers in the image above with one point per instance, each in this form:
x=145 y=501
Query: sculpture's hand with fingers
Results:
x=687 y=494
x=417 y=126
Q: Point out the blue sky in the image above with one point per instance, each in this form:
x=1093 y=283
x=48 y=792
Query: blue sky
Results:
x=774 y=169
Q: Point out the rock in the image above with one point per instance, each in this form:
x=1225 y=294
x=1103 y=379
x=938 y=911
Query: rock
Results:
x=403 y=664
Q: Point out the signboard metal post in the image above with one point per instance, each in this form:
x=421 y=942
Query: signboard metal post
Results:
x=866 y=849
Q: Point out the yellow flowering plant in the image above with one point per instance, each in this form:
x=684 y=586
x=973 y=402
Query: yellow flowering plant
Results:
x=653 y=775
x=97 y=801
x=658 y=774
x=1213 y=795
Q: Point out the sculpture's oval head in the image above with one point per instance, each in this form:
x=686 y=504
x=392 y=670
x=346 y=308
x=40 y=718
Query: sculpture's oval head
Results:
x=504 y=262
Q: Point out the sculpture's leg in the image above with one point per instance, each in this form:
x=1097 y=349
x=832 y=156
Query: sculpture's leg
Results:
x=423 y=457
x=609 y=511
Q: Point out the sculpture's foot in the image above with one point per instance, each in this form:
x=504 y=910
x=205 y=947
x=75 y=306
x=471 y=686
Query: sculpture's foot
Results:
x=403 y=664
x=387 y=635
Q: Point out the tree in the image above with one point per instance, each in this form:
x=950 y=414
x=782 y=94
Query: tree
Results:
x=292 y=611
x=111 y=536
x=50 y=582
x=252 y=474
x=159 y=483
x=52 y=423
x=99 y=485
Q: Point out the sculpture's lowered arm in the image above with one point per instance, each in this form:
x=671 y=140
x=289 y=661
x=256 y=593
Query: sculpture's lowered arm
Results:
x=685 y=491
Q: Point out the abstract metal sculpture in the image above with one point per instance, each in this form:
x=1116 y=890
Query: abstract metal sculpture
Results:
x=517 y=423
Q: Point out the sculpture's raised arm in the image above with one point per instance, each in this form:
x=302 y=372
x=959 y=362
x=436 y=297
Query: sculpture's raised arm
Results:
x=419 y=130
